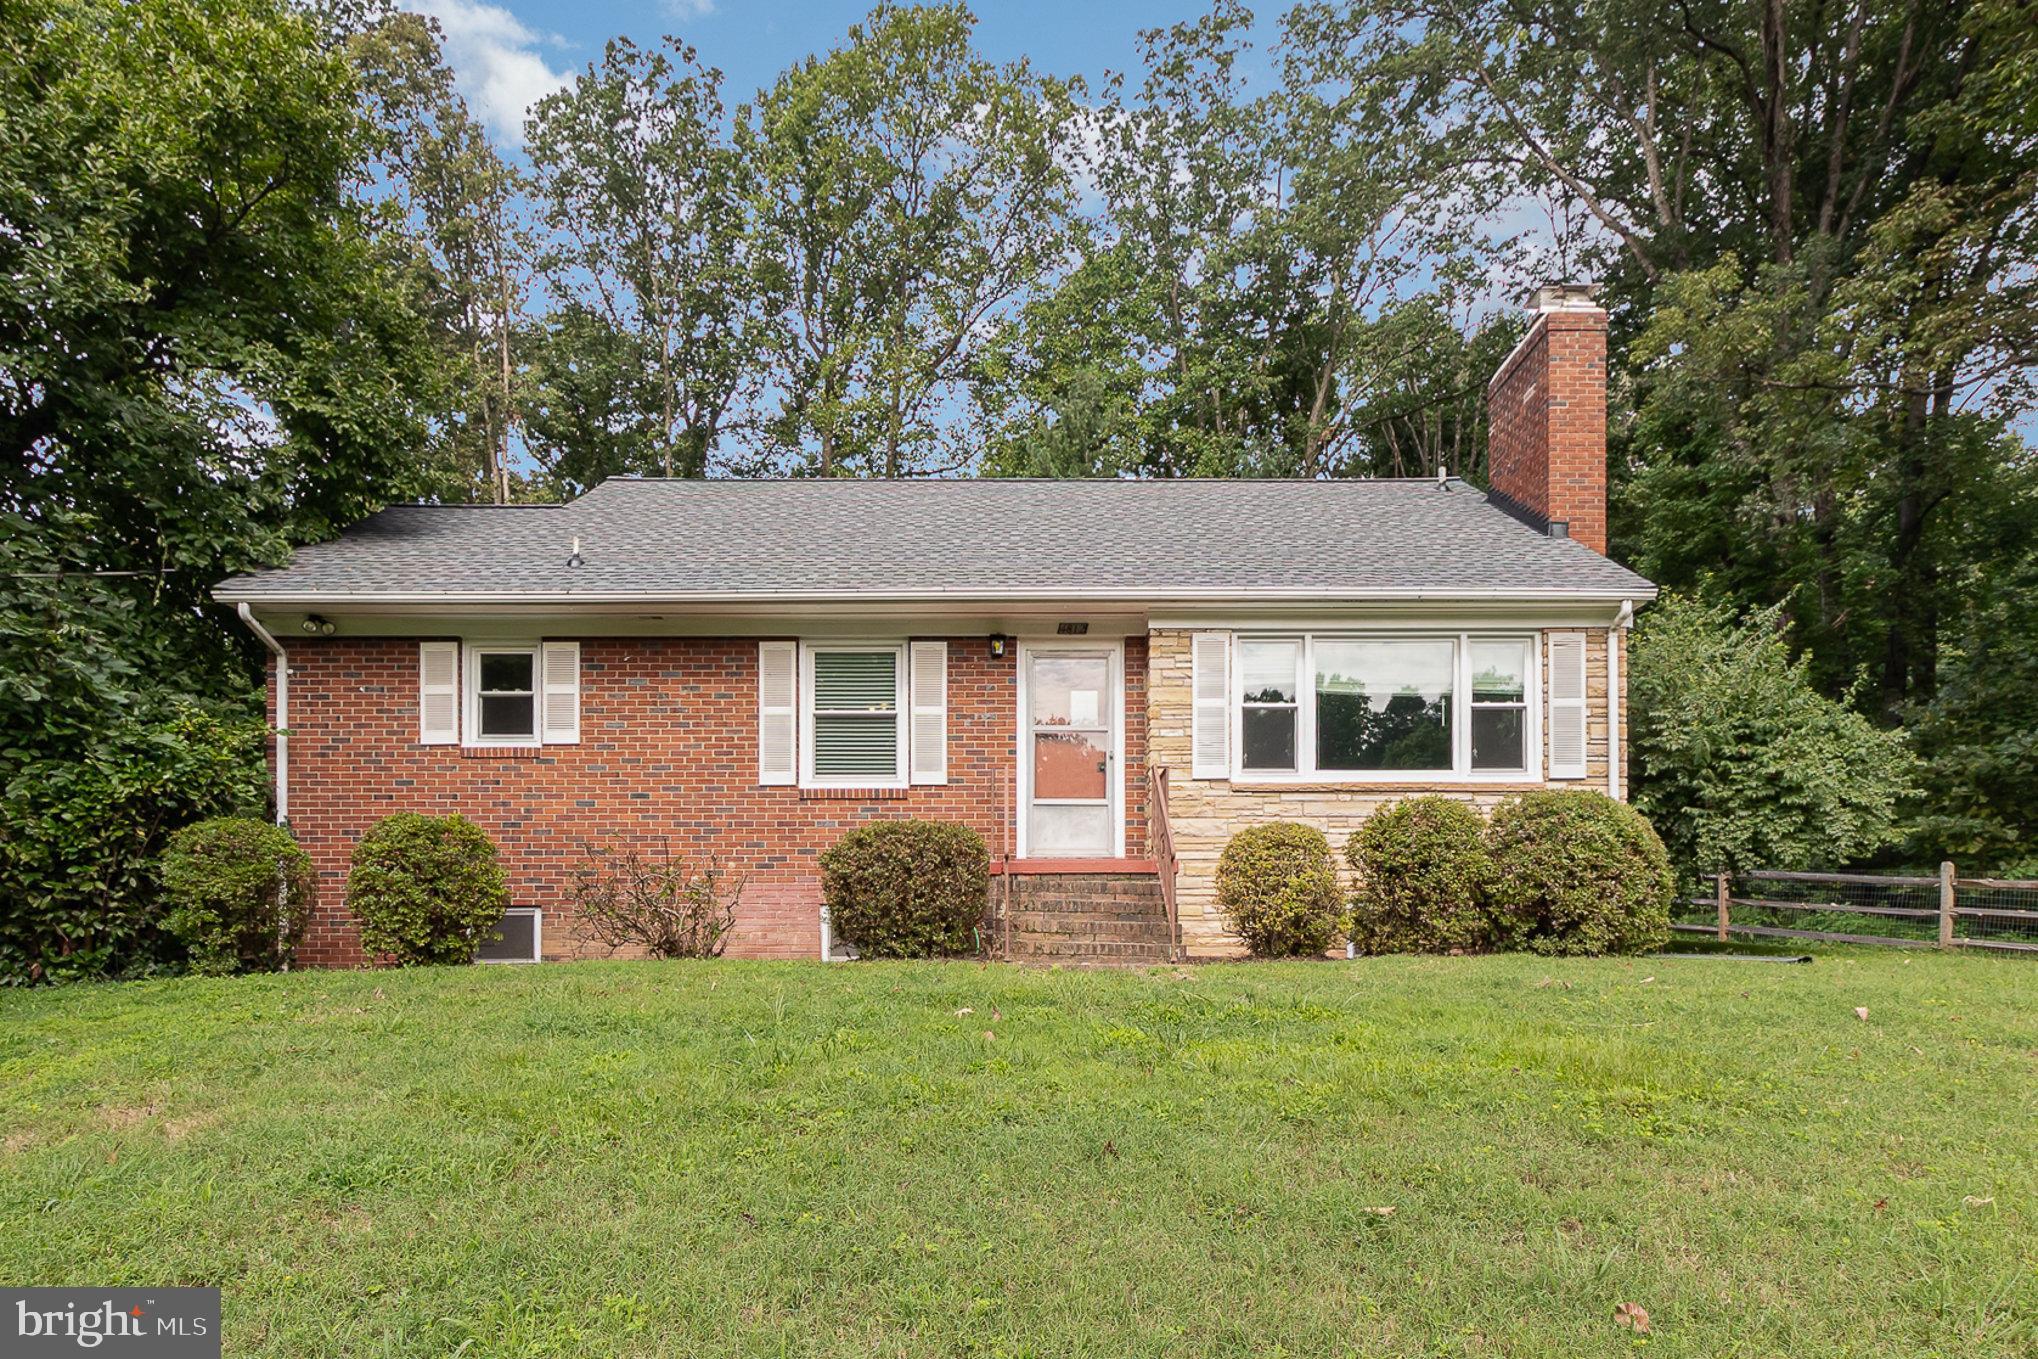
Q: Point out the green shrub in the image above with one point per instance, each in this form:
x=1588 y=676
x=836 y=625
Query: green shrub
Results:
x=240 y=892
x=907 y=889
x=426 y=889
x=1576 y=872
x=1279 y=891
x=1423 y=876
x=1740 y=760
x=83 y=824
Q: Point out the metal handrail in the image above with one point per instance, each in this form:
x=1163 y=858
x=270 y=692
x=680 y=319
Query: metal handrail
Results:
x=1163 y=845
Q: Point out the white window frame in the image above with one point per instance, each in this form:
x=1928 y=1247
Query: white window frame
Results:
x=470 y=692
x=1300 y=641
x=1461 y=770
x=537 y=915
x=901 y=717
x=1530 y=724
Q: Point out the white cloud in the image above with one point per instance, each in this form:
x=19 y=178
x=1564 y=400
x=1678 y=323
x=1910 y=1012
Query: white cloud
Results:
x=495 y=62
x=689 y=9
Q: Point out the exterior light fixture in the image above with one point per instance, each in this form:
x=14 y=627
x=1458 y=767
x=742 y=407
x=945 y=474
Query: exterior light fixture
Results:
x=317 y=626
x=999 y=641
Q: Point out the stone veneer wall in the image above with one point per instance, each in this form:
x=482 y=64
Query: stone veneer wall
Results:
x=1205 y=813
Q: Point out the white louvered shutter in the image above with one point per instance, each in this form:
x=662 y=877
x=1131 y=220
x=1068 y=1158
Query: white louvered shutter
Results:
x=777 y=734
x=929 y=700
x=438 y=693
x=1210 y=720
x=1567 y=705
x=562 y=693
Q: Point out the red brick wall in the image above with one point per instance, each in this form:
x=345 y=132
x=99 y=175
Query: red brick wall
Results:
x=1546 y=437
x=667 y=761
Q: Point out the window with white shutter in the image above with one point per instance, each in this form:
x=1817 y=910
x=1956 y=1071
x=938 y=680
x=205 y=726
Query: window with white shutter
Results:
x=852 y=701
x=504 y=695
x=438 y=693
x=777 y=725
x=562 y=693
x=1210 y=719
x=1567 y=705
x=929 y=664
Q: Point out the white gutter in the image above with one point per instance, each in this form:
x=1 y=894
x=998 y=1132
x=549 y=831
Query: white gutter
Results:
x=282 y=711
x=1622 y=622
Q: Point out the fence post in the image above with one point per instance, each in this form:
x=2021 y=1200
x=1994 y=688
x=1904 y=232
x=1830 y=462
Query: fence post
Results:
x=1725 y=890
x=1946 y=904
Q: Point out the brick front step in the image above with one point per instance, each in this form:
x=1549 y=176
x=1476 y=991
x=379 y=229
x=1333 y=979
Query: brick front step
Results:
x=1124 y=929
x=1048 y=947
x=1088 y=917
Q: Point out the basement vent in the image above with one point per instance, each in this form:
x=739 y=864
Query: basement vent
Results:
x=521 y=932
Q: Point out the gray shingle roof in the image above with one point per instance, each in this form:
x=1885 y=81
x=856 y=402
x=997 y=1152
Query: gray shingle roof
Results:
x=679 y=540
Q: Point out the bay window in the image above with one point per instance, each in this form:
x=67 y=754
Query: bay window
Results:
x=1385 y=708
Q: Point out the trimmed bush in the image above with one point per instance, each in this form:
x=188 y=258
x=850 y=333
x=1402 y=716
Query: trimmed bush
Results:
x=1423 y=876
x=239 y=891
x=1577 y=872
x=1278 y=887
x=426 y=889
x=907 y=889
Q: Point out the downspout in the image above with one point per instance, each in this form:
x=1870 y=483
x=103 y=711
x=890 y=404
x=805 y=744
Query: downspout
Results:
x=1615 y=699
x=282 y=712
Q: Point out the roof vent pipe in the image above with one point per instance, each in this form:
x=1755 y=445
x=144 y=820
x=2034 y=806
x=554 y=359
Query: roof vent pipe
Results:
x=576 y=559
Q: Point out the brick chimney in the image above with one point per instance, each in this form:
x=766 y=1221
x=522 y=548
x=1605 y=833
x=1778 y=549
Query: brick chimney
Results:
x=1546 y=418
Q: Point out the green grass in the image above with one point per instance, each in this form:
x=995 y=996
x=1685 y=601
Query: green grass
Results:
x=790 y=1159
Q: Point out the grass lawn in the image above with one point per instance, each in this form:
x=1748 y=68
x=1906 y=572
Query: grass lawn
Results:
x=1475 y=1156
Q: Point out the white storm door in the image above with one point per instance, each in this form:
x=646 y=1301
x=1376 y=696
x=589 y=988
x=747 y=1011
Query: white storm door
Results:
x=1070 y=759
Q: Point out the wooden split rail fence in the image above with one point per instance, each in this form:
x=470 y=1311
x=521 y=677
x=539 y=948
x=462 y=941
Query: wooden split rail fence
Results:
x=1946 y=911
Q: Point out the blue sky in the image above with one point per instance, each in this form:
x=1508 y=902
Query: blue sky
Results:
x=508 y=53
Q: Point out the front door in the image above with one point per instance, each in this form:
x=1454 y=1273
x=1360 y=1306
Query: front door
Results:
x=1068 y=762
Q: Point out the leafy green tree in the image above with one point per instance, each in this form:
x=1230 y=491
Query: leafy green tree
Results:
x=585 y=391
x=207 y=346
x=210 y=349
x=1739 y=761
x=645 y=197
x=101 y=760
x=1814 y=224
x=1978 y=734
x=1417 y=402
x=463 y=204
x=907 y=193
x=1252 y=300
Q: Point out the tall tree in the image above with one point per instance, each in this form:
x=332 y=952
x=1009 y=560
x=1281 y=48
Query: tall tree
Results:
x=208 y=348
x=208 y=352
x=587 y=392
x=463 y=204
x=907 y=192
x=1231 y=306
x=1819 y=222
x=645 y=196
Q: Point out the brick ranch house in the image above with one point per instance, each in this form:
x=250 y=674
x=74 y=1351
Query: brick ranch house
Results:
x=1106 y=679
